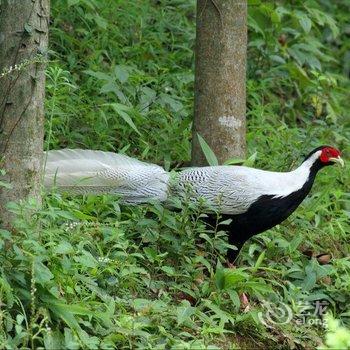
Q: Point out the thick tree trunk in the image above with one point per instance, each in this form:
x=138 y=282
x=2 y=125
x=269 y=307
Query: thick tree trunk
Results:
x=220 y=89
x=23 y=44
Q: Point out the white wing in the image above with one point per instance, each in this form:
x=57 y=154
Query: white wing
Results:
x=86 y=171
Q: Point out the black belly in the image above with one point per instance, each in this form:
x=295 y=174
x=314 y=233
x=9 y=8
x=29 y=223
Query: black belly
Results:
x=262 y=215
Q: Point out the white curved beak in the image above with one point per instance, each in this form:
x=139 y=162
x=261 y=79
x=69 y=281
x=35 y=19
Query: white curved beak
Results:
x=337 y=160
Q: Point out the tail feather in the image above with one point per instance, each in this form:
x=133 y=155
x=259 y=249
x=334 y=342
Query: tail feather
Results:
x=96 y=172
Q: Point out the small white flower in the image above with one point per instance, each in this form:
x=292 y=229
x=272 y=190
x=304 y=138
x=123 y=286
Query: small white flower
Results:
x=102 y=259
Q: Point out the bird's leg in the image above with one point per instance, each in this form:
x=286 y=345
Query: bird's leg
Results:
x=232 y=256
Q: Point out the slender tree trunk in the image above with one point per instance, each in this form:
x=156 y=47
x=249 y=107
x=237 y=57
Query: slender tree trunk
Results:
x=220 y=89
x=23 y=44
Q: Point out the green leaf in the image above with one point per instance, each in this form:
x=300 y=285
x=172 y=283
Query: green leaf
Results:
x=233 y=277
x=251 y=160
x=86 y=259
x=259 y=261
x=66 y=215
x=223 y=315
x=278 y=59
x=257 y=287
x=147 y=98
x=121 y=110
x=5 y=234
x=82 y=216
x=184 y=312
x=175 y=105
x=7 y=290
x=220 y=279
x=259 y=20
x=229 y=278
x=99 y=75
x=234 y=161
x=121 y=73
x=42 y=273
x=208 y=152
x=304 y=21
x=72 y=2
x=311 y=276
x=53 y=340
x=64 y=312
x=64 y=248
x=296 y=241
x=100 y=21
x=309 y=281
x=234 y=298
x=140 y=304
x=226 y=222
x=168 y=270
x=298 y=73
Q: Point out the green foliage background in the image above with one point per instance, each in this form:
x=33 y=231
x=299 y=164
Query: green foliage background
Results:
x=95 y=275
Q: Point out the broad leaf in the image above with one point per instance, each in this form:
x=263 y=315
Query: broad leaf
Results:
x=208 y=152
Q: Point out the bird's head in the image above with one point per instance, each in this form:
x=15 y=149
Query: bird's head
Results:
x=326 y=155
x=330 y=155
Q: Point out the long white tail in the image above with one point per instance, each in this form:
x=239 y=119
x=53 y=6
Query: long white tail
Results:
x=84 y=171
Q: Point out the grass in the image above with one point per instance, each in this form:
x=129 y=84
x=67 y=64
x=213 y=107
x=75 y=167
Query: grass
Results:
x=98 y=275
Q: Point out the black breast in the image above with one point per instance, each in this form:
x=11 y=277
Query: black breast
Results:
x=265 y=213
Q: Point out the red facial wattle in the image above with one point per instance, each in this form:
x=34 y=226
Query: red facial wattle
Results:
x=329 y=153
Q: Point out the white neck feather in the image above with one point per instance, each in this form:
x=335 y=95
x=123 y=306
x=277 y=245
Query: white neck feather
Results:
x=310 y=161
x=295 y=179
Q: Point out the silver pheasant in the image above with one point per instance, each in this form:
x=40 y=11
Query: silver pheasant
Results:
x=254 y=200
x=227 y=189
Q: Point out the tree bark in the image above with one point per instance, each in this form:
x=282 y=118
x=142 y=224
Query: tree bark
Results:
x=23 y=46
x=220 y=73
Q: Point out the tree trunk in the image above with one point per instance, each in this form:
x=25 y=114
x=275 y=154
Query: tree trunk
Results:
x=23 y=45
x=220 y=89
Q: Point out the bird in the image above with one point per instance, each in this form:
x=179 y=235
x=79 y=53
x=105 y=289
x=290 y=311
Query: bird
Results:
x=251 y=200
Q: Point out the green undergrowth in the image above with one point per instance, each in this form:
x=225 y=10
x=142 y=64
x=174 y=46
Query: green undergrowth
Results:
x=85 y=272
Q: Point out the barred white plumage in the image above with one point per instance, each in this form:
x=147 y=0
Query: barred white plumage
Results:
x=228 y=189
